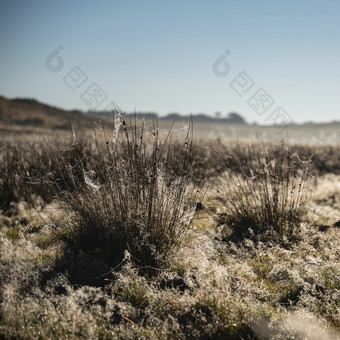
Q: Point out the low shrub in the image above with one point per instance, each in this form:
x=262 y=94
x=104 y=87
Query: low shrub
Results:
x=266 y=191
x=128 y=199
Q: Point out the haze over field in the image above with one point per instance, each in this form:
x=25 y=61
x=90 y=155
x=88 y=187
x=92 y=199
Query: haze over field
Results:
x=183 y=57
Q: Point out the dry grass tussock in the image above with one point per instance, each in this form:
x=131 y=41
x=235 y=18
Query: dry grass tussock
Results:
x=131 y=198
x=115 y=251
x=266 y=191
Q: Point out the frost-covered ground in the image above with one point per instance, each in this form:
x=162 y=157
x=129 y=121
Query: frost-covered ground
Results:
x=261 y=287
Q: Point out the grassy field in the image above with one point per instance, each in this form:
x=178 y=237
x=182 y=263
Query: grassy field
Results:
x=136 y=232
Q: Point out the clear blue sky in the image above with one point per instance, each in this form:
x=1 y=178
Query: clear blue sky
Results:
x=158 y=55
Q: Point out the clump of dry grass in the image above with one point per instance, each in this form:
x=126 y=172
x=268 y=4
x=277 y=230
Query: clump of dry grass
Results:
x=266 y=191
x=128 y=199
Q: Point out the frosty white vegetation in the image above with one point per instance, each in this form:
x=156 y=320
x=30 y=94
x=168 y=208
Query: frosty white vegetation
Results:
x=141 y=249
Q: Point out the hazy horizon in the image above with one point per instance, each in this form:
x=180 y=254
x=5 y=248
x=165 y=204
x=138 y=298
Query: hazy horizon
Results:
x=190 y=57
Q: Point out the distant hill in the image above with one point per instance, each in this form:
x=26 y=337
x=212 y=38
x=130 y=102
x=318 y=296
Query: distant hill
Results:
x=31 y=113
